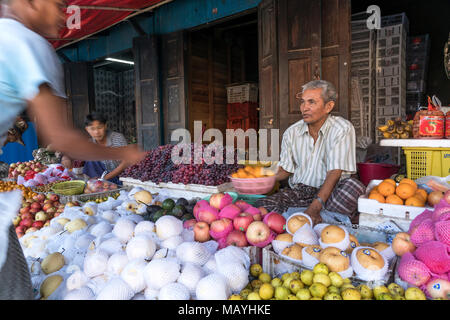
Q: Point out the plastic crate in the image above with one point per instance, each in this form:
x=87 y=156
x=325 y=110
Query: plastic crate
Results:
x=422 y=162
x=247 y=92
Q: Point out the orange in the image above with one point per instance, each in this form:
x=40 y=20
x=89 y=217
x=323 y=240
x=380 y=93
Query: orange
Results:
x=405 y=191
x=235 y=175
x=378 y=197
x=374 y=189
x=258 y=172
x=391 y=181
x=415 y=202
x=410 y=182
x=241 y=173
x=394 y=199
x=423 y=194
x=386 y=189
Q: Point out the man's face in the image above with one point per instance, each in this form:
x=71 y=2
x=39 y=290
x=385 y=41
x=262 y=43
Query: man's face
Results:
x=46 y=17
x=97 y=130
x=313 y=107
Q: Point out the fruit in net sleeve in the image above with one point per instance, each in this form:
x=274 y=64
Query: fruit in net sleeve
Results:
x=236 y=238
x=242 y=204
x=353 y=244
x=334 y=236
x=220 y=228
x=52 y=263
x=336 y=259
x=197 y=207
x=242 y=221
x=220 y=200
x=276 y=222
x=75 y=225
x=282 y=241
x=296 y=221
x=50 y=285
x=168 y=226
x=311 y=255
x=384 y=248
x=369 y=264
x=230 y=211
x=207 y=214
x=294 y=251
x=259 y=234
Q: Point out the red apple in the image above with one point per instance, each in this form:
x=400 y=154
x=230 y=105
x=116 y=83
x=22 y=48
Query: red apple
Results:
x=26 y=222
x=402 y=244
x=237 y=238
x=242 y=221
x=36 y=205
x=56 y=204
x=47 y=206
x=189 y=224
x=38 y=224
x=198 y=205
x=264 y=211
x=54 y=197
x=24 y=210
x=26 y=215
x=34 y=210
x=256 y=213
x=220 y=200
x=40 y=197
x=201 y=232
x=207 y=214
x=276 y=222
x=259 y=234
x=221 y=228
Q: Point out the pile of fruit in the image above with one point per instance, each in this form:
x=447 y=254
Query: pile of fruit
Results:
x=239 y=223
x=25 y=169
x=158 y=167
x=405 y=193
x=424 y=251
x=397 y=129
x=181 y=209
x=96 y=185
x=37 y=212
x=6 y=186
x=37 y=174
x=252 y=172
x=318 y=284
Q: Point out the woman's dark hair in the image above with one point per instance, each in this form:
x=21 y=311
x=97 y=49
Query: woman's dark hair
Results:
x=94 y=117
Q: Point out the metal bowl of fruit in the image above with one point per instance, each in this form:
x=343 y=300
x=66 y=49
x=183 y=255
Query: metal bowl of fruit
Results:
x=69 y=188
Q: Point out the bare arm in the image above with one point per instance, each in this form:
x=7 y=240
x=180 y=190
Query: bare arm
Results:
x=325 y=191
x=47 y=109
x=122 y=166
x=282 y=174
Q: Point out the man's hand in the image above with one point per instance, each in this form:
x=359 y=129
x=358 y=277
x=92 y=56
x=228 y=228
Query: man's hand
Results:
x=314 y=212
x=132 y=155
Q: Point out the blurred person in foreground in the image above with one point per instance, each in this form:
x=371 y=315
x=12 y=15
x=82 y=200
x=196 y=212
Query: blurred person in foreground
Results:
x=31 y=78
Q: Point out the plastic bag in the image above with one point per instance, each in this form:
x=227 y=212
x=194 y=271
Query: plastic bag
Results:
x=433 y=183
x=97 y=185
x=327 y=216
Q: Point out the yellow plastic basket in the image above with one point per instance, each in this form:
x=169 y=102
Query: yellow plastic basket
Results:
x=421 y=162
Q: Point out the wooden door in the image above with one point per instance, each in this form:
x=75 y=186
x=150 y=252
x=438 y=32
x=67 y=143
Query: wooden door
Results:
x=79 y=81
x=268 y=64
x=336 y=51
x=299 y=39
x=147 y=92
x=173 y=82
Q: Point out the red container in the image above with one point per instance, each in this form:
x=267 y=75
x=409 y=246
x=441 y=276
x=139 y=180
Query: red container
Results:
x=242 y=110
x=376 y=171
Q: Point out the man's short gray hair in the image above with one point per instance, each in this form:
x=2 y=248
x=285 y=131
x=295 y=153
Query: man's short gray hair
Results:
x=328 y=89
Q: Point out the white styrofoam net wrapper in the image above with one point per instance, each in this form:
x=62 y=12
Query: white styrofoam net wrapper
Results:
x=110 y=216
x=140 y=247
x=109 y=204
x=172 y=243
x=346 y=273
x=232 y=254
x=161 y=254
x=193 y=252
x=116 y=289
x=151 y=294
x=388 y=253
x=343 y=244
x=135 y=218
x=212 y=287
x=168 y=226
x=101 y=228
x=90 y=208
x=133 y=274
x=190 y=276
x=76 y=280
x=309 y=260
x=144 y=227
x=112 y=245
x=319 y=227
x=363 y=273
x=116 y=263
x=95 y=264
x=210 y=266
x=82 y=293
x=124 y=229
x=9 y=206
x=278 y=246
x=139 y=296
x=236 y=275
x=305 y=236
x=298 y=214
x=160 y=272
x=188 y=235
x=174 y=291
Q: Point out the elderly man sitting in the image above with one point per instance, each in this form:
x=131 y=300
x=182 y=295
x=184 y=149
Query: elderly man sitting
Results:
x=318 y=156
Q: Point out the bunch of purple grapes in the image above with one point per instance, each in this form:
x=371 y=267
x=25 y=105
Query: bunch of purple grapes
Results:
x=158 y=166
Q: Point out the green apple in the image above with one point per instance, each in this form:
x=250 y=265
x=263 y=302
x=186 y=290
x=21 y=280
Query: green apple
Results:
x=285 y=276
x=399 y=298
x=395 y=289
x=323 y=279
x=318 y=290
x=351 y=294
x=245 y=292
x=253 y=296
x=385 y=296
x=295 y=275
x=266 y=291
x=379 y=290
x=333 y=289
x=276 y=282
x=347 y=286
x=332 y=296
x=414 y=293
x=235 y=297
x=287 y=282
x=336 y=279
x=366 y=292
x=307 y=277
x=282 y=293
x=256 y=270
x=295 y=285
x=256 y=284
x=292 y=297
x=320 y=268
x=315 y=298
x=304 y=294
x=265 y=277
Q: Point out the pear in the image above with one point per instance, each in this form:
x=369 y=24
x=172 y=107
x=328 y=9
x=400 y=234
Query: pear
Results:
x=276 y=282
x=332 y=296
x=256 y=270
x=244 y=293
x=351 y=294
x=366 y=292
x=318 y=290
x=322 y=278
x=307 y=277
x=265 y=277
x=379 y=290
x=253 y=296
x=336 y=279
x=281 y=293
x=321 y=268
x=395 y=289
x=235 y=297
x=414 y=294
x=266 y=291
x=304 y=294
x=295 y=285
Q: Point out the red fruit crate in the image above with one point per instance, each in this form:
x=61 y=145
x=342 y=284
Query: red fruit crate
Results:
x=242 y=110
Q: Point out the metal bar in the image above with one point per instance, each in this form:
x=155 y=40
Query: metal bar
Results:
x=107 y=8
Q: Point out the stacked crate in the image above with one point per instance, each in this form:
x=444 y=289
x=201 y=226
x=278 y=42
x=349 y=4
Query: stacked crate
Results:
x=391 y=70
x=417 y=57
x=242 y=107
x=363 y=69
